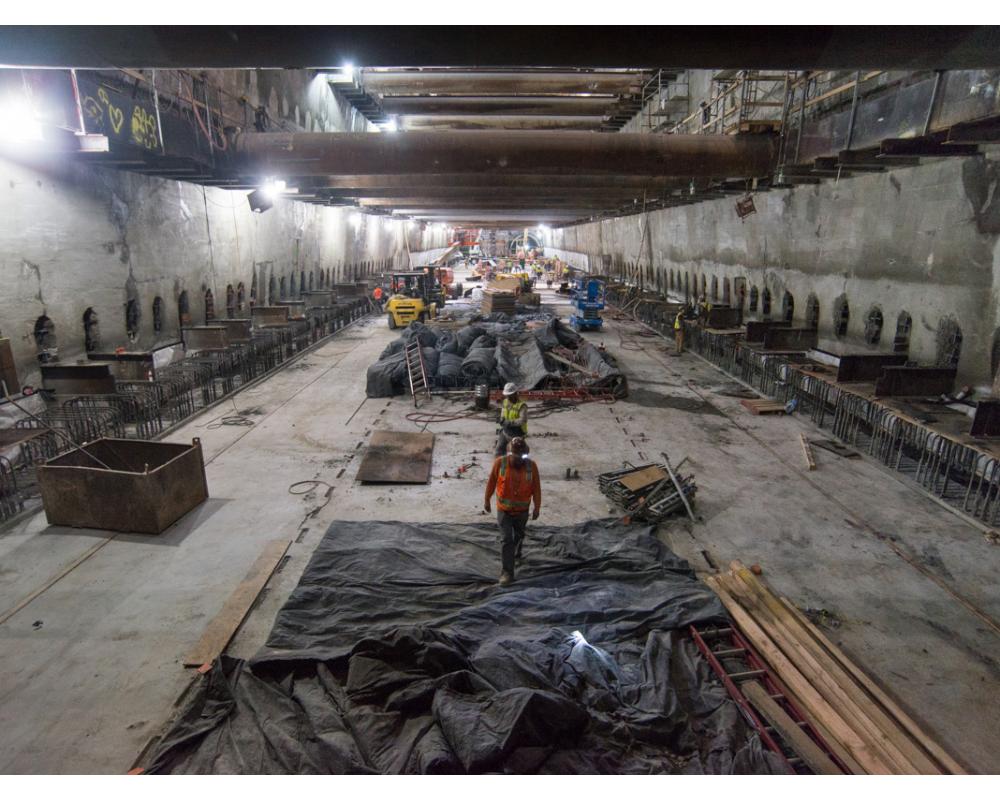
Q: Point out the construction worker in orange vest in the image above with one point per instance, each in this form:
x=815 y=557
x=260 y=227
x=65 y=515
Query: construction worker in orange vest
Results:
x=515 y=479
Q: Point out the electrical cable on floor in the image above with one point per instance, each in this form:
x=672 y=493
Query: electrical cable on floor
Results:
x=312 y=486
x=238 y=420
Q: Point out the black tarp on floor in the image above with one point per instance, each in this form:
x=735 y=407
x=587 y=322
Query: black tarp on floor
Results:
x=398 y=653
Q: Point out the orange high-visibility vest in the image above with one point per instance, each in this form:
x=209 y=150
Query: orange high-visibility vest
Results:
x=515 y=487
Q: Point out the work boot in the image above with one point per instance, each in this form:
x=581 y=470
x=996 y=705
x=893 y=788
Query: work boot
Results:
x=505 y=579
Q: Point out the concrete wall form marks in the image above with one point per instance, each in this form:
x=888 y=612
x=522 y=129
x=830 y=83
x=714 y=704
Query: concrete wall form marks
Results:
x=923 y=240
x=85 y=238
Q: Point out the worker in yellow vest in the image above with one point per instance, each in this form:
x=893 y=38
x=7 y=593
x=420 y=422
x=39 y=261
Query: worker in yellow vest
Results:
x=515 y=480
x=513 y=418
x=679 y=332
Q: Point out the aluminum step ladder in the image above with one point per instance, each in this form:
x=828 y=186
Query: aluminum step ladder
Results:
x=415 y=370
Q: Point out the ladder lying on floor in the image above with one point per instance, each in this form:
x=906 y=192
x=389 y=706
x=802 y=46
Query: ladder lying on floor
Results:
x=765 y=704
x=415 y=370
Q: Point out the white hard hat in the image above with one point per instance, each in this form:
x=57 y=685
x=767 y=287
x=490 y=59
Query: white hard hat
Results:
x=509 y=389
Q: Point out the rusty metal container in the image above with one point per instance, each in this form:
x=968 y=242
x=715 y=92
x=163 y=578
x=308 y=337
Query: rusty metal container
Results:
x=149 y=486
x=204 y=337
x=296 y=308
x=238 y=331
x=72 y=379
x=269 y=316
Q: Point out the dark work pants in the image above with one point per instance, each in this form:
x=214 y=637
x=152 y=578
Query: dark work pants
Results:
x=507 y=432
x=512 y=528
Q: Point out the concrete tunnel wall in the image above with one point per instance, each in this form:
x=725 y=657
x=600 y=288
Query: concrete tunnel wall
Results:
x=922 y=239
x=81 y=237
x=75 y=237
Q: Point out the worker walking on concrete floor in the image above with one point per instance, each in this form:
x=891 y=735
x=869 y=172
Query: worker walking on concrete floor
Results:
x=679 y=332
x=515 y=480
x=513 y=418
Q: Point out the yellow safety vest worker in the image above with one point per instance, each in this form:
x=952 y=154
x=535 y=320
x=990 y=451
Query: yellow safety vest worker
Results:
x=511 y=412
x=677 y=320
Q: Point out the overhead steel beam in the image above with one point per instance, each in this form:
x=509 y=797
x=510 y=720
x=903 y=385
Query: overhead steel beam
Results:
x=504 y=152
x=496 y=122
x=475 y=192
x=517 y=211
x=503 y=220
x=330 y=46
x=518 y=180
x=545 y=106
x=506 y=224
x=469 y=82
x=514 y=205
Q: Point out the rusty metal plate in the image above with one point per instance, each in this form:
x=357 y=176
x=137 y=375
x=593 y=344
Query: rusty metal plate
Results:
x=397 y=457
x=238 y=331
x=204 y=337
x=91 y=378
x=264 y=316
x=915 y=381
x=790 y=338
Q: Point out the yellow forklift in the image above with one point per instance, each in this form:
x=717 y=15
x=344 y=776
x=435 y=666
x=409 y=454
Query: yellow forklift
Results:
x=414 y=296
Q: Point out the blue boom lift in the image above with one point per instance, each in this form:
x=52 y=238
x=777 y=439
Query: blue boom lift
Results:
x=588 y=297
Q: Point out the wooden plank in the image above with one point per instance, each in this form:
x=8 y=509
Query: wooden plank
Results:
x=218 y=633
x=855 y=713
x=935 y=750
x=571 y=364
x=397 y=457
x=858 y=713
x=763 y=406
x=807 y=452
x=842 y=738
x=921 y=761
x=853 y=767
x=642 y=478
x=882 y=727
x=796 y=738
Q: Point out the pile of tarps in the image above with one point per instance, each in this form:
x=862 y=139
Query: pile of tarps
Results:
x=389 y=658
x=496 y=350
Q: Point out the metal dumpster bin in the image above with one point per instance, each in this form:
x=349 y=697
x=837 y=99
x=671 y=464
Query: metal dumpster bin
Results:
x=149 y=486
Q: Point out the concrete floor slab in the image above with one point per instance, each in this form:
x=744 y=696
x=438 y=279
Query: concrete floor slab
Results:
x=84 y=691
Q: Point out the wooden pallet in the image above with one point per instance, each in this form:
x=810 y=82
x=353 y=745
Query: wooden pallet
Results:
x=763 y=406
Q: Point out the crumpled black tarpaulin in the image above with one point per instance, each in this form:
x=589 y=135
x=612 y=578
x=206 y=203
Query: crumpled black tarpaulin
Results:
x=398 y=653
x=521 y=361
x=479 y=363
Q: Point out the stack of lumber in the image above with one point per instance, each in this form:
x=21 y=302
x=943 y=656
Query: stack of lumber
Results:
x=505 y=283
x=495 y=302
x=862 y=725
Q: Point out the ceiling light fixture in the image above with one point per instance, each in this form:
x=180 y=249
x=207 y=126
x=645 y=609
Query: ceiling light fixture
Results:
x=18 y=121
